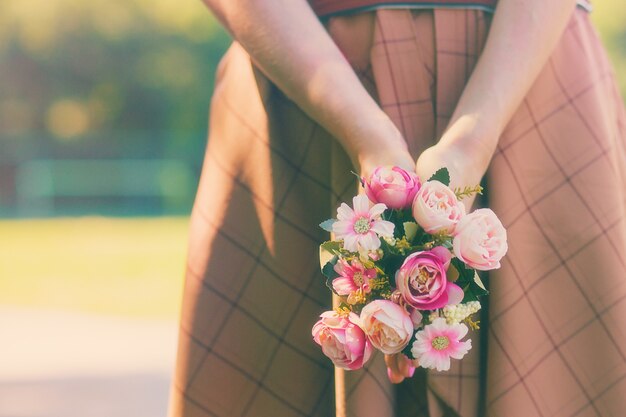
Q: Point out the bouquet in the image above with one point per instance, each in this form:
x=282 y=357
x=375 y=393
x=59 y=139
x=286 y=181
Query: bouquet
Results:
x=404 y=262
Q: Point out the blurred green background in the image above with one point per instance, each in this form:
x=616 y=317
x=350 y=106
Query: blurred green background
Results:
x=103 y=112
x=103 y=105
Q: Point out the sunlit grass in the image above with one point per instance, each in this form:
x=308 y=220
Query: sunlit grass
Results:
x=103 y=265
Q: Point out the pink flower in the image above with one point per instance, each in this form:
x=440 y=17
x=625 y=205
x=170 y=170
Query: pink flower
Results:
x=352 y=276
x=392 y=186
x=416 y=316
x=399 y=367
x=438 y=342
x=423 y=283
x=436 y=208
x=387 y=325
x=480 y=240
x=342 y=340
x=361 y=227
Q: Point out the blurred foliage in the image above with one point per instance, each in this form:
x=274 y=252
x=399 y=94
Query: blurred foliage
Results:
x=122 y=76
x=609 y=17
x=75 y=67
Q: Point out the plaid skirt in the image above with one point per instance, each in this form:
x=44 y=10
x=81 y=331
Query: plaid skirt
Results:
x=553 y=337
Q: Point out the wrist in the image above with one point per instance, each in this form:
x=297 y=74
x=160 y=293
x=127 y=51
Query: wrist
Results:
x=373 y=135
x=382 y=144
x=472 y=135
x=375 y=132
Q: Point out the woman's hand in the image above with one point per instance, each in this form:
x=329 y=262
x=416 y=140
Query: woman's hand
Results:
x=521 y=38
x=465 y=149
x=399 y=367
x=382 y=155
x=377 y=142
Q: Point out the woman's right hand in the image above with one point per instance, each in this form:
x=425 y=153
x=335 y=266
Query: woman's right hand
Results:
x=381 y=144
x=385 y=156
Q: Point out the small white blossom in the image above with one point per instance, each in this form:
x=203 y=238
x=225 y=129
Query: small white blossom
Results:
x=458 y=313
x=434 y=315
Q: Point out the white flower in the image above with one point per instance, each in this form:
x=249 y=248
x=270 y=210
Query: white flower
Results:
x=458 y=313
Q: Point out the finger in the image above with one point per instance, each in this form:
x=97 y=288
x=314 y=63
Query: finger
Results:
x=393 y=373
x=405 y=366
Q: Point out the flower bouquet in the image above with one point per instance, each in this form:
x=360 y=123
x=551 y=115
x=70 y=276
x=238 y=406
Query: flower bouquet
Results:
x=403 y=261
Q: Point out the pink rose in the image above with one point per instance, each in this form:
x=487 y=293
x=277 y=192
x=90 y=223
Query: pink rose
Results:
x=480 y=240
x=392 y=186
x=436 y=208
x=387 y=325
x=416 y=316
x=342 y=340
x=423 y=283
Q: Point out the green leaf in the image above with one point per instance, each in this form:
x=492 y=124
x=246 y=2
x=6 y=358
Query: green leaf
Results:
x=466 y=275
x=332 y=245
x=479 y=282
x=469 y=281
x=442 y=175
x=329 y=272
x=473 y=292
x=361 y=179
x=329 y=269
x=328 y=250
x=328 y=224
x=407 y=349
x=410 y=230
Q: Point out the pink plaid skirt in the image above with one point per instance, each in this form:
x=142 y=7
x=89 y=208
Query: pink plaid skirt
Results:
x=553 y=339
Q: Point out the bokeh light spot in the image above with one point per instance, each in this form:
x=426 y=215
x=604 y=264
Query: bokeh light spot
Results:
x=68 y=119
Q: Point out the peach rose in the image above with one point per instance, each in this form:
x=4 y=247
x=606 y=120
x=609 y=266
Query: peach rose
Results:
x=480 y=240
x=342 y=340
x=387 y=325
x=436 y=208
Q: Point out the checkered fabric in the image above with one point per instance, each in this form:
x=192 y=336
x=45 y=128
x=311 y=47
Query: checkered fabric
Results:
x=553 y=340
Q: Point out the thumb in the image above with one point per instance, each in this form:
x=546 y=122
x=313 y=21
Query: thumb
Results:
x=428 y=163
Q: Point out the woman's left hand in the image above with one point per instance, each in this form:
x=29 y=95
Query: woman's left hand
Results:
x=399 y=367
x=465 y=149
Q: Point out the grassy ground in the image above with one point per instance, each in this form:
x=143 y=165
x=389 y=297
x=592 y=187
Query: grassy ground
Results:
x=104 y=265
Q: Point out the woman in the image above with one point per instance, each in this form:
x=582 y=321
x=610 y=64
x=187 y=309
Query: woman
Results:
x=298 y=98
